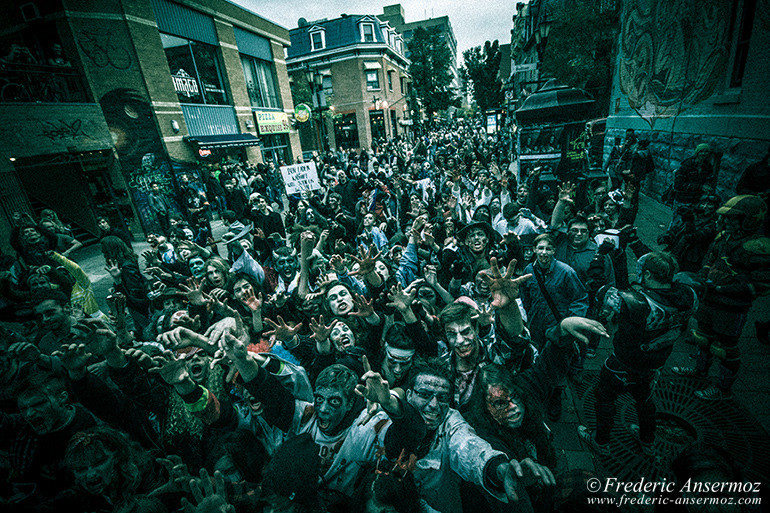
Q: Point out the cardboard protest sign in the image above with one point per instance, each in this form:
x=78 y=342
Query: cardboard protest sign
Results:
x=300 y=177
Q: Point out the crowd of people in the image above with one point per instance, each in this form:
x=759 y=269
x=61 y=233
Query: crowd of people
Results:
x=397 y=341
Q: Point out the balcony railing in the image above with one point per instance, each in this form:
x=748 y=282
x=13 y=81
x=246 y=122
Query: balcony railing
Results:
x=33 y=83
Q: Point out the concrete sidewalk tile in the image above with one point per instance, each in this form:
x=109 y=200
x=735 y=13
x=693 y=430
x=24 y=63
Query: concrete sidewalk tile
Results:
x=580 y=460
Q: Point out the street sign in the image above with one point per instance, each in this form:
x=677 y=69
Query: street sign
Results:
x=272 y=122
x=520 y=68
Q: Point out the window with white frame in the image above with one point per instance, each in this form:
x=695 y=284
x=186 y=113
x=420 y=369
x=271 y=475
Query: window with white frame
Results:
x=327 y=85
x=317 y=40
x=367 y=32
x=372 y=80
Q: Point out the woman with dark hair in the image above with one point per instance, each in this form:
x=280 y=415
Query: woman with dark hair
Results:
x=106 y=228
x=111 y=470
x=123 y=266
x=507 y=416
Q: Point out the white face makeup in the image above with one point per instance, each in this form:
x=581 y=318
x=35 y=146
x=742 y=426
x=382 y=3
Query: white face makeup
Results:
x=431 y=396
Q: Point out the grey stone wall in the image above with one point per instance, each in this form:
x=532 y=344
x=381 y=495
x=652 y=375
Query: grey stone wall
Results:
x=731 y=157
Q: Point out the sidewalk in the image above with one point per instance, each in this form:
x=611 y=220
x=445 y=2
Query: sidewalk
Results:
x=740 y=425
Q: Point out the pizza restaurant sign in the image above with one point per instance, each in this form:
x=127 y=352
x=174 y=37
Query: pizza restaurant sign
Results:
x=272 y=122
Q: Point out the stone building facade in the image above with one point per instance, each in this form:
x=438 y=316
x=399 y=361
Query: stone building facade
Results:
x=691 y=72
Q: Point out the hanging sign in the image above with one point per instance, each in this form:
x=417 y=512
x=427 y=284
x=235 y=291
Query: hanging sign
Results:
x=272 y=122
x=302 y=112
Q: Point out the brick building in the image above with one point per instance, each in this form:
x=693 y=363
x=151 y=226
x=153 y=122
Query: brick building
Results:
x=359 y=64
x=99 y=99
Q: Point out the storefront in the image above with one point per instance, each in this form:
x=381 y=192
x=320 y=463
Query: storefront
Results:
x=377 y=124
x=346 y=130
x=274 y=127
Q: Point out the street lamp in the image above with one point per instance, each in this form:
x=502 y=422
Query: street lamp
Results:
x=541 y=35
x=315 y=80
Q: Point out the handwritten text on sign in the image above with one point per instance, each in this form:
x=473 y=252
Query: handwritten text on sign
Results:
x=300 y=177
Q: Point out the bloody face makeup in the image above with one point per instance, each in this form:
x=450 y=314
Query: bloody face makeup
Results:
x=505 y=408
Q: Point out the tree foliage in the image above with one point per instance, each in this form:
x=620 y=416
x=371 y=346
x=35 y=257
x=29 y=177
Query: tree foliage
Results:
x=580 y=48
x=480 y=73
x=430 y=69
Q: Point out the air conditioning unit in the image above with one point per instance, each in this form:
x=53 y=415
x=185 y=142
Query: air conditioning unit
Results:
x=30 y=12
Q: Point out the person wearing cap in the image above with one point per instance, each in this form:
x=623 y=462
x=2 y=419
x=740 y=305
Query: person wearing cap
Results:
x=736 y=271
x=694 y=177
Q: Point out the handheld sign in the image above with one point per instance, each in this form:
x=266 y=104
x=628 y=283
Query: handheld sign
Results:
x=300 y=177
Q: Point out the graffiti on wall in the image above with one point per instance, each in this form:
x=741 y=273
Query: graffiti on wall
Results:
x=62 y=129
x=673 y=54
x=102 y=51
x=154 y=169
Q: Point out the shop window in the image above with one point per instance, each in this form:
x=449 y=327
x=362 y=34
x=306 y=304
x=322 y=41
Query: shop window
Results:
x=346 y=131
x=261 y=83
x=377 y=124
x=196 y=71
x=275 y=148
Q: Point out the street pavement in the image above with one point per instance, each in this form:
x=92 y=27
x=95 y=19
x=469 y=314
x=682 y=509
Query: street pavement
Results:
x=752 y=389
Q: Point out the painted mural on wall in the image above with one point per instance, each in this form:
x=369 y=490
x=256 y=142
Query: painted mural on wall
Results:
x=140 y=150
x=673 y=54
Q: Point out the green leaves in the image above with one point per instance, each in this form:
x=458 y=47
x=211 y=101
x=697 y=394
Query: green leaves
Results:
x=430 y=69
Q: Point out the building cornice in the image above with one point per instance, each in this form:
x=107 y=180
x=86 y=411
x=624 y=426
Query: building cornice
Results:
x=359 y=50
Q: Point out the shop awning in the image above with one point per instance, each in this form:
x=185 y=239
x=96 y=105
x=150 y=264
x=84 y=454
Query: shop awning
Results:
x=224 y=140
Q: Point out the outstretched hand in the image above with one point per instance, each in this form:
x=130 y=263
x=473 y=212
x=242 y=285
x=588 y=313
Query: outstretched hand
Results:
x=566 y=191
x=504 y=288
x=524 y=473
x=364 y=308
x=181 y=337
x=376 y=388
x=366 y=261
x=210 y=497
x=170 y=369
x=281 y=330
x=400 y=299
x=580 y=328
x=320 y=330
x=74 y=358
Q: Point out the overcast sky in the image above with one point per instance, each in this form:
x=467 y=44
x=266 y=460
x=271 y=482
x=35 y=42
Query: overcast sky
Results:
x=473 y=21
